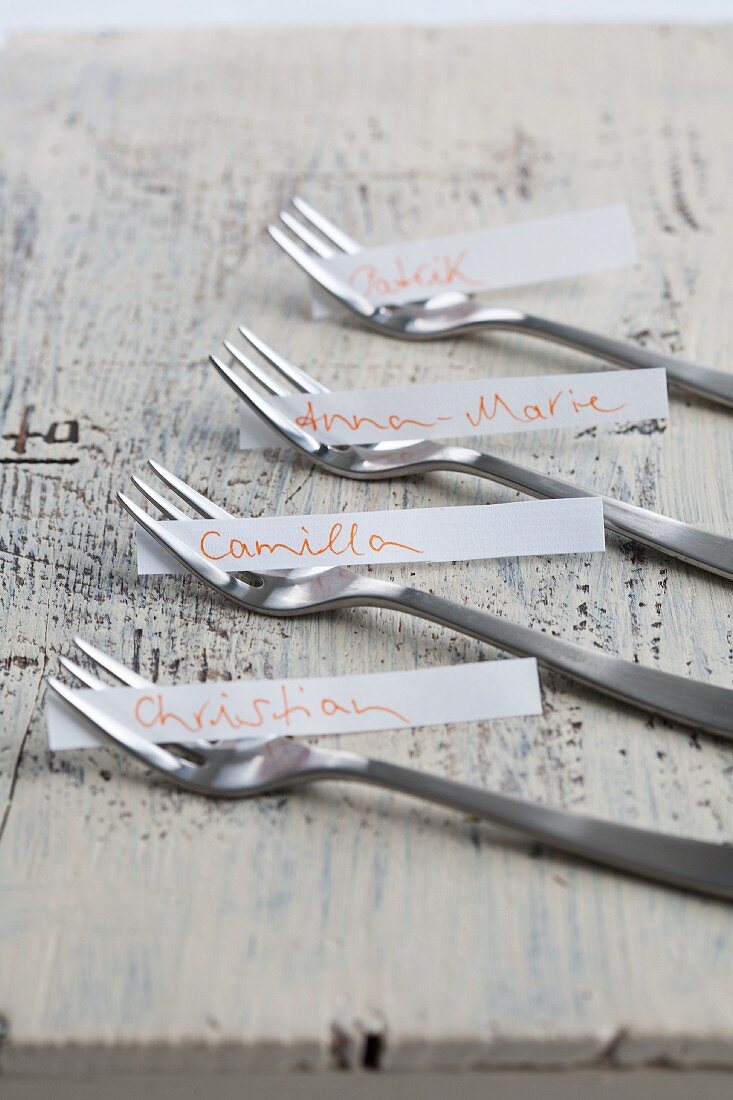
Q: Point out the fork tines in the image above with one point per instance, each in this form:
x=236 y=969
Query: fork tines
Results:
x=276 y=419
x=313 y=219
x=313 y=238
x=238 y=588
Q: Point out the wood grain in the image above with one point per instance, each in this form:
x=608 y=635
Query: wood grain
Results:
x=141 y=928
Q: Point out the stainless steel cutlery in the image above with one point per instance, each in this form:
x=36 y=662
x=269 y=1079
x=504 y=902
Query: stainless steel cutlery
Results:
x=304 y=591
x=454 y=314
x=247 y=770
x=257 y=766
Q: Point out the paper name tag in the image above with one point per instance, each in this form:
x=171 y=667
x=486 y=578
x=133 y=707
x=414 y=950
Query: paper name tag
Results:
x=576 y=243
x=326 y=705
x=572 y=525
x=487 y=406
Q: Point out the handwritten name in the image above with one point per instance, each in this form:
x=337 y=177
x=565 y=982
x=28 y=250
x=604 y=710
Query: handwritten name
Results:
x=219 y=712
x=438 y=272
x=337 y=542
x=490 y=407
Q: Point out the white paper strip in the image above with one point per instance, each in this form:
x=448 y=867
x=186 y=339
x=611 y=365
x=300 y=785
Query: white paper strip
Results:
x=486 y=406
x=572 y=525
x=575 y=243
x=326 y=705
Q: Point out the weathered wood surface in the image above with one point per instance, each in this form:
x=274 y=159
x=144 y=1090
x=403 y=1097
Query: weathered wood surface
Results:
x=138 y=173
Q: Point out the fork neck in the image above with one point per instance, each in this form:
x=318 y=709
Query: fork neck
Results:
x=521 y=478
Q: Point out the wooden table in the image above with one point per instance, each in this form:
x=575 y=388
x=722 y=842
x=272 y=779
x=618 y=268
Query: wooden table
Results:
x=294 y=946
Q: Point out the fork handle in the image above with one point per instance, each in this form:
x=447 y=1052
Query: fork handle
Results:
x=692 y=864
x=702 y=706
x=681 y=540
x=715 y=385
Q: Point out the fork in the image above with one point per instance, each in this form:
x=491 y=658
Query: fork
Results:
x=305 y=591
x=704 y=549
x=278 y=763
x=455 y=314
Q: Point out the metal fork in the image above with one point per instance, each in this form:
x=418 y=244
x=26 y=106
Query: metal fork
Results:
x=455 y=314
x=704 y=549
x=304 y=591
x=278 y=763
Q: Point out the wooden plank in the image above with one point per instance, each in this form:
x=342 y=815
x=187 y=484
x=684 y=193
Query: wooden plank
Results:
x=141 y=928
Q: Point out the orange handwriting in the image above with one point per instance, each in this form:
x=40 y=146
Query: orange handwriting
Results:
x=489 y=409
x=438 y=272
x=217 y=711
x=236 y=548
x=354 y=422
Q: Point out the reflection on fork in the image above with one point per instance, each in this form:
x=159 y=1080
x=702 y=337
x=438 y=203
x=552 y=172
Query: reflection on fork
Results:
x=304 y=591
x=278 y=763
x=318 y=240
x=704 y=549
